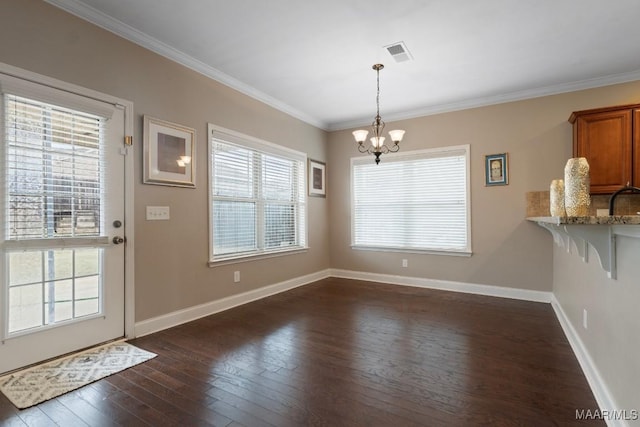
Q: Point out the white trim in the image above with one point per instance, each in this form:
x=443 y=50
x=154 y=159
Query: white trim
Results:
x=129 y=174
x=230 y=136
x=129 y=166
x=598 y=386
x=601 y=392
x=127 y=32
x=494 y=100
x=257 y=145
x=427 y=153
x=596 y=383
x=412 y=251
x=265 y=255
x=179 y=317
x=446 y=285
x=50 y=82
x=129 y=232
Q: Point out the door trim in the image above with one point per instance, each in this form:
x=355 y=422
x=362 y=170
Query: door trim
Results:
x=129 y=179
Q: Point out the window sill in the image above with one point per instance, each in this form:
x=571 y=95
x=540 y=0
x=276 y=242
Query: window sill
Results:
x=255 y=257
x=414 y=251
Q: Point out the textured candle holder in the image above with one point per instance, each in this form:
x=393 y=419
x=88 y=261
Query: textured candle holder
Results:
x=556 y=198
x=576 y=187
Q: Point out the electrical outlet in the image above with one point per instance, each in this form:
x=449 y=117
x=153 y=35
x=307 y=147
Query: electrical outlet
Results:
x=236 y=276
x=584 y=318
x=405 y=263
x=158 y=213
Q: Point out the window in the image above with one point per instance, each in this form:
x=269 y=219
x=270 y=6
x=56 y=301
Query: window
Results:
x=53 y=190
x=258 y=200
x=414 y=201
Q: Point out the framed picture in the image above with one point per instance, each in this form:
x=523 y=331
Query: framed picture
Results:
x=496 y=169
x=317 y=179
x=169 y=154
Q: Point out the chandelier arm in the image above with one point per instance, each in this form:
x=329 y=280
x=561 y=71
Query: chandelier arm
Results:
x=394 y=148
x=363 y=149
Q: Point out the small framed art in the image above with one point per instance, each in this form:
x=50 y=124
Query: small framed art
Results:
x=496 y=169
x=317 y=179
x=169 y=153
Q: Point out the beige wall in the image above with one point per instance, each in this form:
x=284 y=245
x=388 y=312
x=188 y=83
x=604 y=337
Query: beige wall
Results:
x=170 y=257
x=613 y=334
x=507 y=250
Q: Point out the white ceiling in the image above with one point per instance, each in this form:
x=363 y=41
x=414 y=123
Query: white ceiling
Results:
x=313 y=59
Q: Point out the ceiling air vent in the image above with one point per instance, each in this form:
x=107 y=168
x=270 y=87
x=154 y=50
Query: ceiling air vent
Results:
x=399 y=52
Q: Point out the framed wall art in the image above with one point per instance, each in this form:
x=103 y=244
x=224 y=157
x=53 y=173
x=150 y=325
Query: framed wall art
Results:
x=317 y=178
x=169 y=153
x=496 y=169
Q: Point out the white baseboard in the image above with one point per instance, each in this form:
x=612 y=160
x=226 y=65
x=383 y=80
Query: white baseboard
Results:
x=598 y=386
x=446 y=285
x=179 y=317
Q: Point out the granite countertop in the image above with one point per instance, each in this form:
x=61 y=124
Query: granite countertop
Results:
x=588 y=220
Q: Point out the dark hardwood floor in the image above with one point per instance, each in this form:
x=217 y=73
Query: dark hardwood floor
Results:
x=343 y=353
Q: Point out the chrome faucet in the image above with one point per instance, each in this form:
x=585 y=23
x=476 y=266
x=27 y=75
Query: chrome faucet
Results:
x=622 y=190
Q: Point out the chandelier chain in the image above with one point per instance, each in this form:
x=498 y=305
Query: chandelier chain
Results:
x=378 y=93
x=377 y=142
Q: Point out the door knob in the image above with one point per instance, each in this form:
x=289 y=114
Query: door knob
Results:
x=118 y=240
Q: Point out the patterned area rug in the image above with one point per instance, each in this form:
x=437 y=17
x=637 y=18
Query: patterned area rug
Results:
x=36 y=384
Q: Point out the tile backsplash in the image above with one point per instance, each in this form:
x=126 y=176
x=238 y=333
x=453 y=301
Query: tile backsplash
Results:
x=626 y=204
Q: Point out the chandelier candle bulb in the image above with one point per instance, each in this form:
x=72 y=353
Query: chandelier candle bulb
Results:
x=396 y=135
x=377 y=141
x=360 y=135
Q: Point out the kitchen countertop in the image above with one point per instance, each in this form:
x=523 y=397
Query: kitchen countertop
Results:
x=588 y=220
x=581 y=230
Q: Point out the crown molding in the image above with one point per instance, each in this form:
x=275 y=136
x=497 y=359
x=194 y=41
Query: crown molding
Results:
x=496 y=99
x=119 y=28
x=102 y=20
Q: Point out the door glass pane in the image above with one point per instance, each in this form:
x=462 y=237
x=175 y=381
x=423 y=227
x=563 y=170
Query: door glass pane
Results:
x=53 y=173
x=25 y=307
x=58 y=264
x=87 y=262
x=51 y=286
x=87 y=296
x=28 y=268
x=58 y=301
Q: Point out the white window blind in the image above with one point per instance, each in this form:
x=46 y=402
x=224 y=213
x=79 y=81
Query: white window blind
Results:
x=257 y=198
x=53 y=170
x=417 y=201
x=53 y=195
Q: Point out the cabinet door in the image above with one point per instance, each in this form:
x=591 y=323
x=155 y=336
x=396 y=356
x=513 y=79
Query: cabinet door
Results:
x=636 y=148
x=605 y=140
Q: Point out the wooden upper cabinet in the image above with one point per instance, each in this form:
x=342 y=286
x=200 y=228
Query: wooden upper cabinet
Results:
x=636 y=147
x=609 y=140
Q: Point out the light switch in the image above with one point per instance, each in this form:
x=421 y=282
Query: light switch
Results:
x=157 y=213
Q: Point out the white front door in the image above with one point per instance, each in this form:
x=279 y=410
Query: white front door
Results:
x=62 y=223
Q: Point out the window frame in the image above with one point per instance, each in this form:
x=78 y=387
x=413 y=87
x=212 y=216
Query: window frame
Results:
x=465 y=150
x=265 y=147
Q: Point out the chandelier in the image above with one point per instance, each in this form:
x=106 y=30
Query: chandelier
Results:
x=377 y=141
